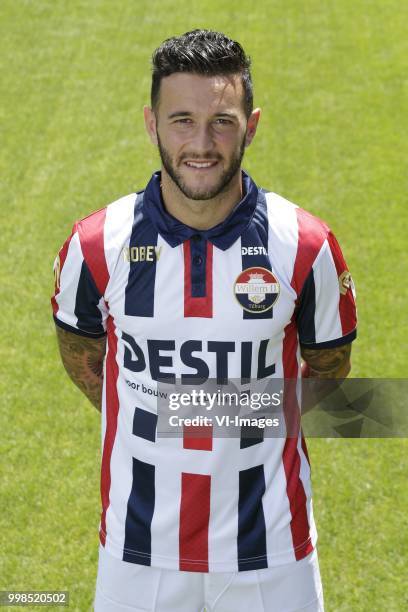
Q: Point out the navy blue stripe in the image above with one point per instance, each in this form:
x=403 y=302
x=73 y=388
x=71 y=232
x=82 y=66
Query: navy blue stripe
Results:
x=251 y=520
x=264 y=370
x=333 y=343
x=138 y=538
x=246 y=362
x=86 y=303
x=139 y=293
x=305 y=316
x=144 y=424
x=251 y=435
x=256 y=235
x=198 y=250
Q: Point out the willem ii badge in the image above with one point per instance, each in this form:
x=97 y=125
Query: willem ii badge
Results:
x=256 y=289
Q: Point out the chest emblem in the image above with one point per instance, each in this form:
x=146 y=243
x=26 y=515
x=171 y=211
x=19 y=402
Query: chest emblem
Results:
x=256 y=289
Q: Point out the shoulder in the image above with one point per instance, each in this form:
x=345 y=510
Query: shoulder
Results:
x=107 y=218
x=289 y=222
x=102 y=236
x=296 y=237
x=289 y=212
x=109 y=228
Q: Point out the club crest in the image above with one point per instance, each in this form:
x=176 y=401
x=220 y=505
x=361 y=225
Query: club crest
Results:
x=256 y=289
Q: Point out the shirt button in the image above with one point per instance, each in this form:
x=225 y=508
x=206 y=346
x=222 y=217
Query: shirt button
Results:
x=196 y=237
x=197 y=260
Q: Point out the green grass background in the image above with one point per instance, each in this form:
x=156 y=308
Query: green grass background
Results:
x=330 y=79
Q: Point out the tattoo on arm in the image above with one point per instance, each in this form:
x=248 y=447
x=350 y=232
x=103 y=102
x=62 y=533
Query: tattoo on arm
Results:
x=328 y=363
x=323 y=366
x=83 y=360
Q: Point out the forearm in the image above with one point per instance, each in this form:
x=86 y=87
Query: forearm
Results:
x=332 y=363
x=323 y=371
x=83 y=361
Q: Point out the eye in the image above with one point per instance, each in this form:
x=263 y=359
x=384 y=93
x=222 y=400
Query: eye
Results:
x=183 y=120
x=223 y=121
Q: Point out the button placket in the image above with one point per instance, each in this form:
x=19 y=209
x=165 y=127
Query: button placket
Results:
x=198 y=248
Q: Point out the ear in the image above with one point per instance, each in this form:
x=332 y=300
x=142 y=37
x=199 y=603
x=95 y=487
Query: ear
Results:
x=150 y=123
x=252 y=124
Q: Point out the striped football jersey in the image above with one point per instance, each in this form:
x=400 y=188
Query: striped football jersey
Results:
x=236 y=301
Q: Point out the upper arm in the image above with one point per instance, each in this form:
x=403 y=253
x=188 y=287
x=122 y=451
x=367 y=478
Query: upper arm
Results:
x=78 y=306
x=326 y=313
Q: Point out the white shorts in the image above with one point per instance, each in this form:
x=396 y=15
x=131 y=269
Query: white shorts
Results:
x=123 y=586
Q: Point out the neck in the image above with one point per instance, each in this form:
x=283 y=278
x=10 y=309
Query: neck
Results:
x=200 y=214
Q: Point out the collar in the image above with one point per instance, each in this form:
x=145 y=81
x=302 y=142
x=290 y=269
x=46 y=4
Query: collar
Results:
x=222 y=235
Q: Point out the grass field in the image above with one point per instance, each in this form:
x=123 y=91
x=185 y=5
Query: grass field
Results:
x=329 y=77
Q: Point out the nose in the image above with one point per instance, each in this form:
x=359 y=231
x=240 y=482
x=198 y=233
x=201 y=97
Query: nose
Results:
x=203 y=139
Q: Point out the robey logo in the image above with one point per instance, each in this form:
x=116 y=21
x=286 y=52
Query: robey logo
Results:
x=142 y=253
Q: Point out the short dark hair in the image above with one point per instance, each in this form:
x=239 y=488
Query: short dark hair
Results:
x=202 y=52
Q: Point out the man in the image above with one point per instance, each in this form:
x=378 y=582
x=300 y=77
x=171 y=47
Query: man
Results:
x=204 y=276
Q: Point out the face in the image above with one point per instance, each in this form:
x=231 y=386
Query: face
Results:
x=201 y=130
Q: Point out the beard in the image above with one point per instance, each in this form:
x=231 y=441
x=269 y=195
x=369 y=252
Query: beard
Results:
x=197 y=193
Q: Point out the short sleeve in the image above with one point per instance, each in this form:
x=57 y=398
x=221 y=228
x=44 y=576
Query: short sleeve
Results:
x=77 y=303
x=326 y=314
